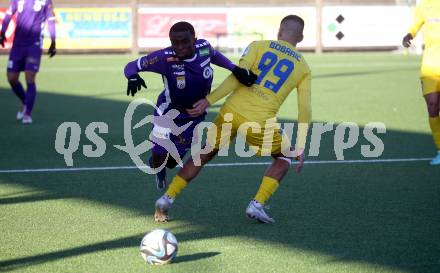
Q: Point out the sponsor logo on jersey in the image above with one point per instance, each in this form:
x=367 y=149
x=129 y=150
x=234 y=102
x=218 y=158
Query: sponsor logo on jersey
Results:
x=207 y=72
x=179 y=73
x=181 y=82
x=204 y=51
x=178 y=66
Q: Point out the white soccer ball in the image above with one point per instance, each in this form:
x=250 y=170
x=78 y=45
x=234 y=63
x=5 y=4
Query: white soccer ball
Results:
x=158 y=247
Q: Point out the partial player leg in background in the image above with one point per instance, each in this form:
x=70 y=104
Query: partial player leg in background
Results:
x=32 y=66
x=16 y=63
x=432 y=103
x=431 y=89
x=17 y=88
x=31 y=94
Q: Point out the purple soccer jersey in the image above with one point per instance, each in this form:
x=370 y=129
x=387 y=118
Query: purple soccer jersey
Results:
x=31 y=18
x=26 y=50
x=185 y=82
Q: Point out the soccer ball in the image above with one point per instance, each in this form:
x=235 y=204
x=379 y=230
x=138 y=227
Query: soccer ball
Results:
x=158 y=247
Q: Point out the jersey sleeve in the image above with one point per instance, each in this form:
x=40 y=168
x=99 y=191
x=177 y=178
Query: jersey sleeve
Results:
x=417 y=22
x=304 y=108
x=154 y=62
x=231 y=83
x=8 y=16
x=249 y=56
x=219 y=59
x=50 y=16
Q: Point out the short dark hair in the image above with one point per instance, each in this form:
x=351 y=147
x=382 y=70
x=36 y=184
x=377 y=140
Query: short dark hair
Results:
x=294 y=18
x=181 y=27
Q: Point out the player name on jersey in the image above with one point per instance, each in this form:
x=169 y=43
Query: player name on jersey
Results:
x=285 y=50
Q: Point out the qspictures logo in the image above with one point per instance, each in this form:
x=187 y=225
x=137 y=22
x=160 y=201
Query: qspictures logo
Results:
x=345 y=136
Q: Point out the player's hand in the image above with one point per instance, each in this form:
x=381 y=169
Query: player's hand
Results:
x=2 y=39
x=135 y=83
x=406 y=42
x=244 y=76
x=300 y=158
x=52 y=49
x=198 y=108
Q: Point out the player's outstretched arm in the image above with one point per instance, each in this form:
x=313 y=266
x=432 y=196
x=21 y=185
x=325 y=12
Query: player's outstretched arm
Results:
x=8 y=16
x=51 y=26
x=406 y=42
x=243 y=75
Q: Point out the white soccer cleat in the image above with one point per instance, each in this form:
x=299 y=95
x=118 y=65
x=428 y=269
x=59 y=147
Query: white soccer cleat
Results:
x=163 y=204
x=256 y=211
x=21 y=112
x=26 y=119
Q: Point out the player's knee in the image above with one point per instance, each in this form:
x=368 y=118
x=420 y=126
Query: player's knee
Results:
x=30 y=77
x=12 y=79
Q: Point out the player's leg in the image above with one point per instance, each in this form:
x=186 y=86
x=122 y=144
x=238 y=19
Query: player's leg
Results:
x=190 y=170
x=157 y=159
x=272 y=176
x=15 y=65
x=179 y=182
x=32 y=66
x=31 y=94
x=431 y=89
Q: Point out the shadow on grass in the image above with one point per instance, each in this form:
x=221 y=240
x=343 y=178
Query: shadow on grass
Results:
x=385 y=214
x=194 y=257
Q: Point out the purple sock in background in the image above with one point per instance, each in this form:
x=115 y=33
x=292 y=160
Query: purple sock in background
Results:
x=18 y=90
x=30 y=97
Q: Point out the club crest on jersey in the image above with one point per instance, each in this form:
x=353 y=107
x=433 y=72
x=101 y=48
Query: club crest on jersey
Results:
x=207 y=72
x=204 y=51
x=181 y=82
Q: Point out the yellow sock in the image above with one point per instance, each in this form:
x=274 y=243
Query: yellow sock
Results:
x=268 y=186
x=434 y=123
x=176 y=186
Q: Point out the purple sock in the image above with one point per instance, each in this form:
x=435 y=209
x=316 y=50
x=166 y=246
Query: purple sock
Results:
x=30 y=97
x=18 y=90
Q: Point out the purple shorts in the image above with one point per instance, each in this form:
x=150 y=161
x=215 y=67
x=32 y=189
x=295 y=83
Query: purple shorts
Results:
x=183 y=141
x=24 y=58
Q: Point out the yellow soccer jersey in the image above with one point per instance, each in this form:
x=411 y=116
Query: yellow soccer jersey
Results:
x=280 y=69
x=427 y=14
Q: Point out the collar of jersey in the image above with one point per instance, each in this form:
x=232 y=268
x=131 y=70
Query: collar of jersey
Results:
x=192 y=59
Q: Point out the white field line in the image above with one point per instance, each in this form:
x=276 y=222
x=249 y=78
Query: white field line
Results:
x=233 y=164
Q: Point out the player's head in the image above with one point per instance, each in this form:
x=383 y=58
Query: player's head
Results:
x=291 y=29
x=183 y=39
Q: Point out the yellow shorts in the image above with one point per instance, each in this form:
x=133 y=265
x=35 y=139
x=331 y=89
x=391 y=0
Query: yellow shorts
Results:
x=263 y=140
x=430 y=85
